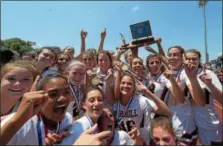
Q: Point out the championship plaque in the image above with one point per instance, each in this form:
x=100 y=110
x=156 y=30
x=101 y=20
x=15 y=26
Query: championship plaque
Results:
x=142 y=33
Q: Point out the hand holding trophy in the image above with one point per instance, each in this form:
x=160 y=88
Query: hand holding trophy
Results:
x=142 y=34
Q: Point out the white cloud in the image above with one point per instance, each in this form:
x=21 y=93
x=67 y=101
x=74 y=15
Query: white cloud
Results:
x=135 y=8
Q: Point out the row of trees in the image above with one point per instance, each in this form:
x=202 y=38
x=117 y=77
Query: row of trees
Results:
x=16 y=44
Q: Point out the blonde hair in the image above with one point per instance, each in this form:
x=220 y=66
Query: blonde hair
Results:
x=30 y=66
x=74 y=63
x=164 y=123
x=77 y=63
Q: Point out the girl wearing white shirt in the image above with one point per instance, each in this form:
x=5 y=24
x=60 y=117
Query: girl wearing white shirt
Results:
x=77 y=81
x=133 y=109
x=16 y=79
x=206 y=118
x=53 y=117
x=93 y=104
x=107 y=122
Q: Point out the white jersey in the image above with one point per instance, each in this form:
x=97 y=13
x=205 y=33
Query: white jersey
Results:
x=182 y=111
x=122 y=138
x=137 y=112
x=78 y=127
x=206 y=118
x=33 y=131
x=74 y=107
x=157 y=85
x=103 y=85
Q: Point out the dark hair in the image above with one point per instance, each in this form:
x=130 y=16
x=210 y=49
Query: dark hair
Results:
x=196 y=52
x=152 y=56
x=62 y=53
x=90 y=89
x=47 y=78
x=47 y=48
x=134 y=59
x=7 y=55
x=69 y=47
x=88 y=53
x=108 y=54
x=179 y=47
x=133 y=79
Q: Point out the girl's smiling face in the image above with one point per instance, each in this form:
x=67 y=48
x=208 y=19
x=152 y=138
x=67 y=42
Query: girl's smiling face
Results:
x=59 y=97
x=16 y=82
x=104 y=62
x=93 y=104
x=88 y=61
x=46 y=57
x=76 y=74
x=137 y=66
x=63 y=61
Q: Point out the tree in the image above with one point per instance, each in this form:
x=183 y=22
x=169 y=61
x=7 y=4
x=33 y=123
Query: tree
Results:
x=17 y=44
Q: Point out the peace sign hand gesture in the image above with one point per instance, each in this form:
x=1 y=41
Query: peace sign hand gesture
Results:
x=168 y=73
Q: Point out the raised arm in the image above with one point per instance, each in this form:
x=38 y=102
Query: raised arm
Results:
x=118 y=72
x=163 y=58
x=160 y=108
x=175 y=89
x=194 y=87
x=31 y=104
x=83 y=38
x=101 y=44
x=83 y=44
x=213 y=83
x=160 y=48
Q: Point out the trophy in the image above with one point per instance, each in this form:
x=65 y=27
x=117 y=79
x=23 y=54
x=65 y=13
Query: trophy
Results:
x=142 y=34
x=95 y=81
x=125 y=68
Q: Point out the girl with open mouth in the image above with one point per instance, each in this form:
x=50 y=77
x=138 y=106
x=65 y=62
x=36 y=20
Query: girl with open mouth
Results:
x=92 y=104
x=107 y=122
x=63 y=61
x=105 y=74
x=45 y=59
x=133 y=109
x=16 y=79
x=52 y=119
x=77 y=80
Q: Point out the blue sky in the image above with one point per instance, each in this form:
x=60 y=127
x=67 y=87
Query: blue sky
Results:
x=59 y=23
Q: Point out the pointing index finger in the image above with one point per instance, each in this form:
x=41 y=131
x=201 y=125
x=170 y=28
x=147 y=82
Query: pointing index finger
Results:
x=103 y=135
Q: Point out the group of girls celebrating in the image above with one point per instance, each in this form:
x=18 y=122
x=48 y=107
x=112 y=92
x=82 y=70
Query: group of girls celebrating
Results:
x=95 y=98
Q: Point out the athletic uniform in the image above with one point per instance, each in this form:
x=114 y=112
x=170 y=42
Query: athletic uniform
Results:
x=121 y=138
x=206 y=118
x=103 y=85
x=33 y=132
x=74 y=108
x=78 y=127
x=183 y=111
x=157 y=85
x=137 y=112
